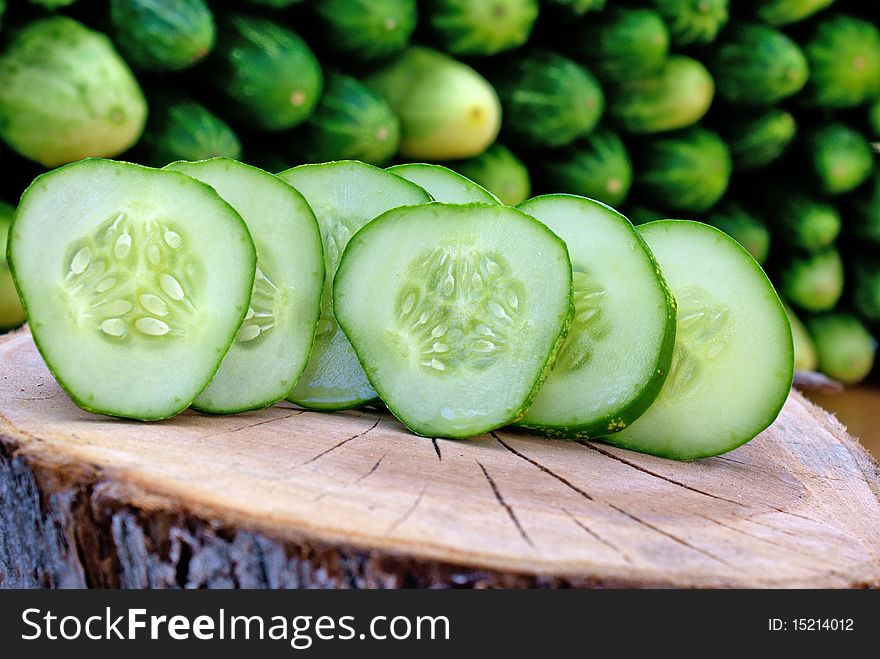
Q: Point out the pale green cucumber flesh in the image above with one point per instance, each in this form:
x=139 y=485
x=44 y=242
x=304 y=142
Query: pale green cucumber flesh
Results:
x=455 y=312
x=344 y=195
x=733 y=359
x=273 y=345
x=443 y=184
x=618 y=349
x=135 y=282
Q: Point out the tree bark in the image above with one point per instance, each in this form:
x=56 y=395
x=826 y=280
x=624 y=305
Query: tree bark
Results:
x=285 y=498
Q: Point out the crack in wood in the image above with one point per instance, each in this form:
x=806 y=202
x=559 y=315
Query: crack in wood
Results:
x=507 y=507
x=372 y=469
x=586 y=529
x=545 y=469
x=248 y=427
x=409 y=511
x=342 y=489
x=798 y=551
x=437 y=449
x=343 y=442
x=669 y=535
x=644 y=470
x=739 y=462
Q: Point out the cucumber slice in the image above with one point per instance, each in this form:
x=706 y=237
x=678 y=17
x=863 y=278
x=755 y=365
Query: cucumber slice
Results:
x=443 y=184
x=455 y=312
x=273 y=345
x=135 y=282
x=617 y=353
x=733 y=360
x=344 y=195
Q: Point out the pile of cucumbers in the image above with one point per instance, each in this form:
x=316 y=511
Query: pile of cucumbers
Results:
x=217 y=285
x=758 y=117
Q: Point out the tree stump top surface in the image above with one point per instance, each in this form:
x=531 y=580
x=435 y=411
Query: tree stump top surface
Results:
x=797 y=506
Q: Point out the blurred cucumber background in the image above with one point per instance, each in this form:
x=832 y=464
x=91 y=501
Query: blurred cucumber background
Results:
x=760 y=117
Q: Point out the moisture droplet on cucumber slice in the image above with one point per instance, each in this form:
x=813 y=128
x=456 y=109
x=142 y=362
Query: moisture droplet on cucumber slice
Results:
x=344 y=195
x=733 y=359
x=272 y=347
x=455 y=312
x=135 y=282
x=443 y=184
x=616 y=355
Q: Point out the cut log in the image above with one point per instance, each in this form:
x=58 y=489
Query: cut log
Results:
x=286 y=497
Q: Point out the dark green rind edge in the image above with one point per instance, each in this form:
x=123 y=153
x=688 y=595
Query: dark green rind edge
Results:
x=490 y=197
x=548 y=362
x=783 y=392
x=642 y=399
x=106 y=411
x=317 y=312
x=350 y=403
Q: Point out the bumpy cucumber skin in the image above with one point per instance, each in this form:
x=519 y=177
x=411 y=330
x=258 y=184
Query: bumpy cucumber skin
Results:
x=183 y=167
x=743 y=227
x=596 y=166
x=620 y=441
x=541 y=376
x=846 y=349
x=687 y=172
x=621 y=43
x=366 y=30
x=785 y=12
x=813 y=282
x=311 y=403
x=844 y=59
x=163 y=36
x=841 y=158
x=266 y=73
x=805 y=357
x=677 y=96
x=693 y=21
x=757 y=65
x=33 y=187
x=547 y=100
x=619 y=419
x=11 y=312
x=476 y=193
x=66 y=94
x=498 y=171
x=181 y=129
x=446 y=109
x=472 y=27
x=351 y=121
x=760 y=139
x=805 y=222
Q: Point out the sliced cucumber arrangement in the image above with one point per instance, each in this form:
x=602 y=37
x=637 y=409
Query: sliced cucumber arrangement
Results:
x=272 y=347
x=733 y=360
x=135 y=282
x=443 y=184
x=216 y=285
x=344 y=195
x=455 y=311
x=618 y=350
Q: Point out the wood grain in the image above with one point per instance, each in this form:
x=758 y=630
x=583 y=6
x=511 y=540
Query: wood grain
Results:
x=287 y=497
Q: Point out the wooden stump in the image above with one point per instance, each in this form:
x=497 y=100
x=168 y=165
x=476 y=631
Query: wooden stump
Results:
x=286 y=497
